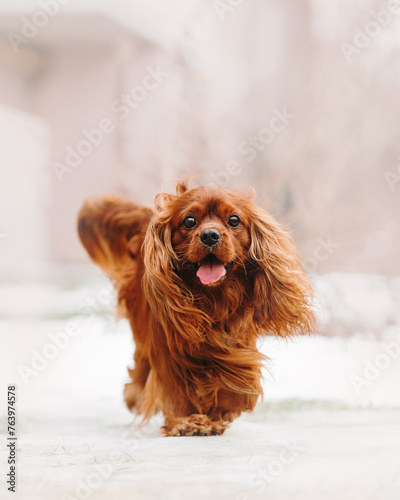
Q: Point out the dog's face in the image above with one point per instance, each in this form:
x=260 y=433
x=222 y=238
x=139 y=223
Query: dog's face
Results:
x=210 y=233
x=207 y=237
x=205 y=255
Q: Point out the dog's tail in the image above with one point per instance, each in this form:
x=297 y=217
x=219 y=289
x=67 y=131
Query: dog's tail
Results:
x=112 y=231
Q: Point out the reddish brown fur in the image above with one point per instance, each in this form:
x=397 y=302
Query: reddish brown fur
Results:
x=196 y=358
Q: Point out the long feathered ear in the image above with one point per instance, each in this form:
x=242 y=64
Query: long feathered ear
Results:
x=282 y=291
x=170 y=300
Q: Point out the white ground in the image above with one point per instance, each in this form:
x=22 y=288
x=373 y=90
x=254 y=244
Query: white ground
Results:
x=320 y=433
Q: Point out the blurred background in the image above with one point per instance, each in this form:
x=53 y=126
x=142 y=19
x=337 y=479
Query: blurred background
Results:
x=216 y=75
x=299 y=99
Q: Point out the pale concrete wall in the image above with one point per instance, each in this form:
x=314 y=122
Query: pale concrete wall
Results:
x=323 y=173
x=24 y=236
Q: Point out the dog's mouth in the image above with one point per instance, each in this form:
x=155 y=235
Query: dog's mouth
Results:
x=210 y=270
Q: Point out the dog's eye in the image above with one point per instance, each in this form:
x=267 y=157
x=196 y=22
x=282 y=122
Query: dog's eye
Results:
x=189 y=221
x=234 y=221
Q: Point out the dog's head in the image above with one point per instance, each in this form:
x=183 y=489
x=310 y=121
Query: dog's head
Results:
x=210 y=234
x=208 y=238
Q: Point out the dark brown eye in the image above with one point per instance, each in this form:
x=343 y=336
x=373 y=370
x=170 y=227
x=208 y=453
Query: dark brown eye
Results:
x=189 y=221
x=234 y=221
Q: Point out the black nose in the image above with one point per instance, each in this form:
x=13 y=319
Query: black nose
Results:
x=210 y=237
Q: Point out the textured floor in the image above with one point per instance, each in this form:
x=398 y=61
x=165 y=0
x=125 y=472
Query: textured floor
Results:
x=318 y=434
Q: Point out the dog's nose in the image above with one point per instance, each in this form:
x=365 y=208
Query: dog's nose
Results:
x=210 y=237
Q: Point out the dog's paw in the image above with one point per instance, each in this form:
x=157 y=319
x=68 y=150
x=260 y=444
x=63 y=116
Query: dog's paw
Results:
x=195 y=425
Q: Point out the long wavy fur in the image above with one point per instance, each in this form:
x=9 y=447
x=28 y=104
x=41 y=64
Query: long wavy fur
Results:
x=196 y=356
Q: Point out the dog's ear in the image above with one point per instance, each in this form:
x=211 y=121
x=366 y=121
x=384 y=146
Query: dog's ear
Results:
x=162 y=200
x=282 y=294
x=182 y=186
x=170 y=300
x=112 y=230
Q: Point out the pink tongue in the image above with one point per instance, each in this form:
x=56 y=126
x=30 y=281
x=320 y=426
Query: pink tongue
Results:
x=210 y=272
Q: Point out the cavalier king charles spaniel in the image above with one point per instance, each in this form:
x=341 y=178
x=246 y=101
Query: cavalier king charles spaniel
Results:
x=200 y=279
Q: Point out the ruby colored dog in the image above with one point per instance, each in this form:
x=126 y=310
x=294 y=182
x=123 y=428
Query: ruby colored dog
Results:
x=200 y=279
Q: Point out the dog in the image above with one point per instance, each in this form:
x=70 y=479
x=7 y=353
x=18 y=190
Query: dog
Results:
x=201 y=278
